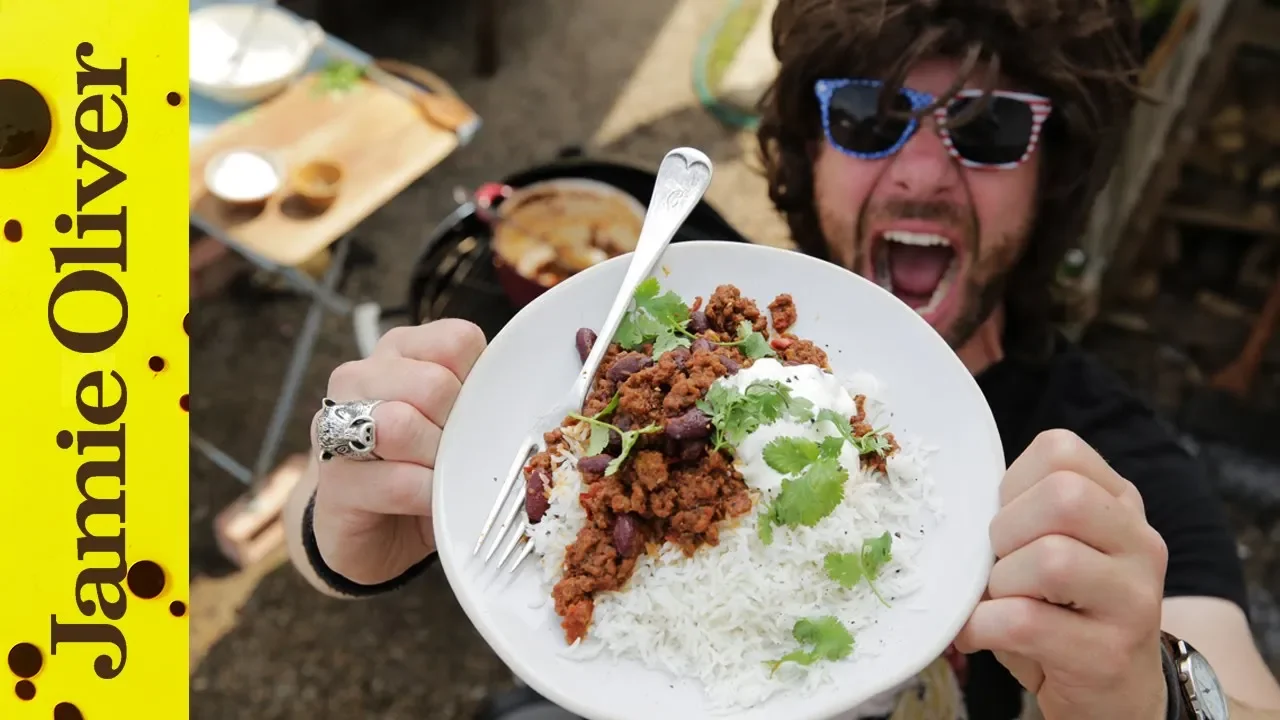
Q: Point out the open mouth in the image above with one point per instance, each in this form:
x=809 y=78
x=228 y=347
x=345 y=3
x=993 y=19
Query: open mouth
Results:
x=918 y=268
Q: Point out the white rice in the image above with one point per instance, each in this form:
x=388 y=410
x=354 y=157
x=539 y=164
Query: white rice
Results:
x=719 y=616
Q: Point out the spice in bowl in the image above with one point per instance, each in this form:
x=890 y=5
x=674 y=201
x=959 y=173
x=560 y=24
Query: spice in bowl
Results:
x=243 y=177
x=317 y=183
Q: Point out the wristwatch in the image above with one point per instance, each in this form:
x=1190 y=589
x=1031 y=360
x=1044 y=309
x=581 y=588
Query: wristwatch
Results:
x=1194 y=690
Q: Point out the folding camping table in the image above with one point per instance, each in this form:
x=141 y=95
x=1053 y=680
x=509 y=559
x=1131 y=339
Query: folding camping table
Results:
x=278 y=245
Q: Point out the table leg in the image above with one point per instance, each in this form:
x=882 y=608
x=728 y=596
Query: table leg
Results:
x=302 y=351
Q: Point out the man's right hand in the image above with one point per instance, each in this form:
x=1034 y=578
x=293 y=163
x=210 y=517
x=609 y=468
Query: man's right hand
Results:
x=372 y=520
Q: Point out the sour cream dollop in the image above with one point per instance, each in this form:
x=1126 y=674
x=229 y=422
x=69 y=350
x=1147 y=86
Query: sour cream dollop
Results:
x=810 y=382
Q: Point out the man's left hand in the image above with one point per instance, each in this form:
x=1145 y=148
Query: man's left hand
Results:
x=1073 y=604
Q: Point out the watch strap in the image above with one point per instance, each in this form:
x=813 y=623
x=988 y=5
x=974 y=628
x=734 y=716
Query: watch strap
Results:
x=340 y=583
x=1178 y=709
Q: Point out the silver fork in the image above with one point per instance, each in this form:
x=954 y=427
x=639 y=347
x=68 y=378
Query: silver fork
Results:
x=682 y=180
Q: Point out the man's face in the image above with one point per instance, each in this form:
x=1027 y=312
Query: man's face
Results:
x=940 y=236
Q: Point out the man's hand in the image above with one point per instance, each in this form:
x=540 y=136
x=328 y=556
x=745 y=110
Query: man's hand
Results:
x=1073 y=605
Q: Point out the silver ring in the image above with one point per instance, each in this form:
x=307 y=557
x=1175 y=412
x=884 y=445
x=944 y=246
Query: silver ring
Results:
x=347 y=430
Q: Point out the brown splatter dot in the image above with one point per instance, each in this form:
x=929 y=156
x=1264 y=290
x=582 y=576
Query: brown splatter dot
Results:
x=25 y=690
x=67 y=711
x=62 y=223
x=185 y=403
x=156 y=363
x=145 y=579
x=177 y=608
x=173 y=99
x=186 y=327
x=65 y=439
x=25 y=115
x=25 y=660
x=12 y=230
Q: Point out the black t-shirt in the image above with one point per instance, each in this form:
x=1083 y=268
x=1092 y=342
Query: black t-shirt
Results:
x=1076 y=392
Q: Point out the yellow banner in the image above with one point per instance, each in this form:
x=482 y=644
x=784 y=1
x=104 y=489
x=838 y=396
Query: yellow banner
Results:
x=93 y=359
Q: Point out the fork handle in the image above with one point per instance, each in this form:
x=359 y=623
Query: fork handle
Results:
x=682 y=180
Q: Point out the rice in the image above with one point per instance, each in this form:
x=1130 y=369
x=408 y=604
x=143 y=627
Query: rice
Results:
x=718 y=617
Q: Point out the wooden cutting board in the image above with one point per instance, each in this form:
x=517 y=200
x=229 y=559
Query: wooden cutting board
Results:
x=379 y=138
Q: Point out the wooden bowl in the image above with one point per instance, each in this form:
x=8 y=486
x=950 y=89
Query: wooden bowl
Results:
x=318 y=183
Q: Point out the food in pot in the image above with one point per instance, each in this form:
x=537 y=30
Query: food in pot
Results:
x=548 y=232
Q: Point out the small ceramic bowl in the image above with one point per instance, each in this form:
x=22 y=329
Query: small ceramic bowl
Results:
x=244 y=178
x=317 y=183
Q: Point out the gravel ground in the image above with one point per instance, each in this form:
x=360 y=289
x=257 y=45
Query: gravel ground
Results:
x=609 y=75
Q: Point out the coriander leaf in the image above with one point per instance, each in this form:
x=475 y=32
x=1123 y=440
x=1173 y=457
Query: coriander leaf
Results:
x=831 y=447
x=875 y=553
x=629 y=438
x=765 y=527
x=841 y=422
x=801 y=409
x=668 y=309
x=601 y=429
x=799 y=657
x=628 y=334
x=848 y=568
x=790 y=455
x=667 y=340
x=613 y=405
x=599 y=439
x=844 y=568
x=828 y=636
x=647 y=290
x=862 y=444
x=752 y=344
x=769 y=399
x=809 y=498
x=756 y=347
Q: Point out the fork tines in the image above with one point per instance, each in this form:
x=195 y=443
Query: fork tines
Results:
x=512 y=487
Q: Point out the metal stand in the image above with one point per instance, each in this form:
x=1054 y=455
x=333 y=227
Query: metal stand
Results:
x=241 y=526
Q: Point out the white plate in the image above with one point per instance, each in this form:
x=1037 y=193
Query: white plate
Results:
x=530 y=365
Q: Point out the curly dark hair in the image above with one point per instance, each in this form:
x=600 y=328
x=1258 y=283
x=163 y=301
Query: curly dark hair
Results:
x=1083 y=54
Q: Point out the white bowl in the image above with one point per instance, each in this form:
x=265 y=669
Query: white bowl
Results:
x=277 y=48
x=243 y=176
x=530 y=365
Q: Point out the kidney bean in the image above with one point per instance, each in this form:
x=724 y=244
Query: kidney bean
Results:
x=698 y=322
x=626 y=535
x=730 y=364
x=627 y=365
x=680 y=356
x=584 y=340
x=691 y=450
x=702 y=345
x=595 y=463
x=692 y=424
x=535 y=494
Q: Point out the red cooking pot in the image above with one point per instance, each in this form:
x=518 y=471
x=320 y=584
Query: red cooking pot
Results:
x=546 y=231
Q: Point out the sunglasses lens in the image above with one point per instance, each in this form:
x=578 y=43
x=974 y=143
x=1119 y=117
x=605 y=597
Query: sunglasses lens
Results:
x=998 y=135
x=855 y=124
